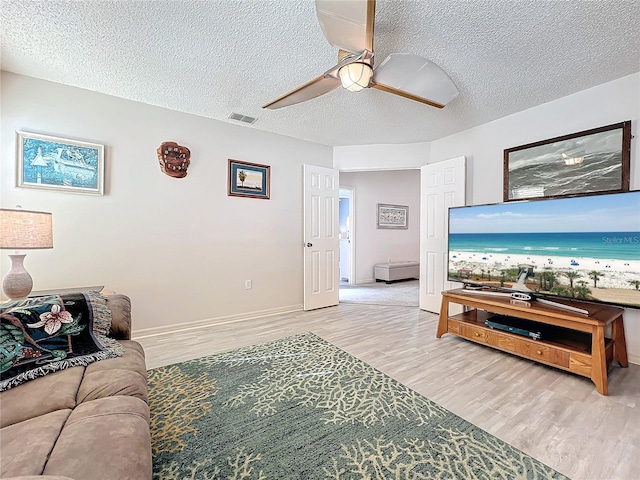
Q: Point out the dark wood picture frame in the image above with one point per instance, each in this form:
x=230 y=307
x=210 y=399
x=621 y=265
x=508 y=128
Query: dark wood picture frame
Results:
x=247 y=179
x=583 y=163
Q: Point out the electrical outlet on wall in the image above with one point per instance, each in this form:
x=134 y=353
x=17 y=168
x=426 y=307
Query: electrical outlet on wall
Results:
x=247 y=284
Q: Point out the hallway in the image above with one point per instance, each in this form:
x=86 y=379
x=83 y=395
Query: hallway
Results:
x=404 y=294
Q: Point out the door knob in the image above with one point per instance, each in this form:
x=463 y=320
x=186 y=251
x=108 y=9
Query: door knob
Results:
x=309 y=244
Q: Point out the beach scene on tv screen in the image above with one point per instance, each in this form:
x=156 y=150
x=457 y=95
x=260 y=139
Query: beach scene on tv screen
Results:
x=581 y=247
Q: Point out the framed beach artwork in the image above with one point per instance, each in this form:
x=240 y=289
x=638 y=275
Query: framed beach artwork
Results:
x=55 y=163
x=592 y=161
x=249 y=180
x=393 y=216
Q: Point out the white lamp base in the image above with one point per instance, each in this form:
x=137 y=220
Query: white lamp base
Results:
x=17 y=283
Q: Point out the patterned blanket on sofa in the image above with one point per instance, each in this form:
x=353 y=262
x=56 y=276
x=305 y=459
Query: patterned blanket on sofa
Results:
x=46 y=334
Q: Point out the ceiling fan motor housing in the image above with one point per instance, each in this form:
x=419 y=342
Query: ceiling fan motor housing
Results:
x=354 y=76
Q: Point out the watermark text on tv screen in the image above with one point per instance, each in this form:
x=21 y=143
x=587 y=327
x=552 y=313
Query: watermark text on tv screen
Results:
x=630 y=239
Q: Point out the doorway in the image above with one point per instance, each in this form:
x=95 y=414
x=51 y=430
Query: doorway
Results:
x=369 y=244
x=346 y=234
x=428 y=195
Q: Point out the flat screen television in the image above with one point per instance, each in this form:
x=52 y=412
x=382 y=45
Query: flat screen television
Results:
x=584 y=247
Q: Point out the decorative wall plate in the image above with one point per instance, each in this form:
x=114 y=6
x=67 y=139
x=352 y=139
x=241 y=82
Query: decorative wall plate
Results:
x=174 y=159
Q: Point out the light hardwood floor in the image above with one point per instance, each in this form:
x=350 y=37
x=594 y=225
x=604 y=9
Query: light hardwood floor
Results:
x=556 y=417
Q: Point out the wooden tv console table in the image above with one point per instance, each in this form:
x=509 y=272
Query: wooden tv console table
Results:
x=574 y=342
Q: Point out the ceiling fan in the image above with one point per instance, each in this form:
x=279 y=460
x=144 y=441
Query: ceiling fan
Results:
x=348 y=25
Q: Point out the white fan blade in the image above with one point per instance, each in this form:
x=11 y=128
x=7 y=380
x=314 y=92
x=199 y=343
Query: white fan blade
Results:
x=347 y=24
x=316 y=87
x=414 y=77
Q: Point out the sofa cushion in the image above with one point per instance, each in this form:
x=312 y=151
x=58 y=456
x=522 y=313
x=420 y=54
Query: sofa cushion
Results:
x=25 y=446
x=113 y=433
x=125 y=375
x=55 y=391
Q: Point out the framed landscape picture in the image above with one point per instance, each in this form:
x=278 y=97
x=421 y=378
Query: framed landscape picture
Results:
x=393 y=216
x=55 y=163
x=249 y=179
x=592 y=161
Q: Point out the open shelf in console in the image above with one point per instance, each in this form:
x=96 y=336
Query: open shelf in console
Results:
x=568 y=340
x=552 y=335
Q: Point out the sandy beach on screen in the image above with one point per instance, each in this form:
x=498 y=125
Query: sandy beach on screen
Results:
x=613 y=274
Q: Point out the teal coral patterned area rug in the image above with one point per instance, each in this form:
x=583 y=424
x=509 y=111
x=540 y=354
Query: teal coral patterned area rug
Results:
x=301 y=408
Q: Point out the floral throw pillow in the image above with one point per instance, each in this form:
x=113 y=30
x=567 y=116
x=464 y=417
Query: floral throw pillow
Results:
x=46 y=334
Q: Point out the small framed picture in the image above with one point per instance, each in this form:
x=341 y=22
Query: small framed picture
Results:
x=55 y=163
x=249 y=180
x=393 y=216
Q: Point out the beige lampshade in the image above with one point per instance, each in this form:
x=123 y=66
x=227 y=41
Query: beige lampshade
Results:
x=25 y=229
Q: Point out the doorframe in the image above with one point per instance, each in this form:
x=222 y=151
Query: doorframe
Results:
x=352 y=232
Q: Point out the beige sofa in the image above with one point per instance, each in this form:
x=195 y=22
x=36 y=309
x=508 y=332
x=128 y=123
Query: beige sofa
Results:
x=83 y=422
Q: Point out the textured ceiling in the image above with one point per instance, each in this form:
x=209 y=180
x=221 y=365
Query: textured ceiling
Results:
x=211 y=58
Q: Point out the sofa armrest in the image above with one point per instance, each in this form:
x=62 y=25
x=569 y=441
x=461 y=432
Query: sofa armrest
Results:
x=120 y=307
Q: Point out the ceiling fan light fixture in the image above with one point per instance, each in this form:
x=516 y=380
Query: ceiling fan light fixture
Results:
x=355 y=76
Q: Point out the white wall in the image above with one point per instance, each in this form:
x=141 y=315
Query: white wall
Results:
x=380 y=157
x=180 y=248
x=373 y=245
x=605 y=104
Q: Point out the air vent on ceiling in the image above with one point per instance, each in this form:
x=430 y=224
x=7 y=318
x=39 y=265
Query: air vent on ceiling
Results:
x=242 y=118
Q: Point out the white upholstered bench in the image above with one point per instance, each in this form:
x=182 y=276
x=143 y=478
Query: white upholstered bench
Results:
x=393 y=271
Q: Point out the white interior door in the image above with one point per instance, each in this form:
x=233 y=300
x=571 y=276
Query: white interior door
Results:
x=442 y=185
x=321 y=241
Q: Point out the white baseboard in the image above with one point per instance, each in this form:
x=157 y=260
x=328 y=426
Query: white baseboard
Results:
x=634 y=358
x=208 y=322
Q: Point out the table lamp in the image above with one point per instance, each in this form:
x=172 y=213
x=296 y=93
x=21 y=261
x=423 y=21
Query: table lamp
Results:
x=22 y=230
